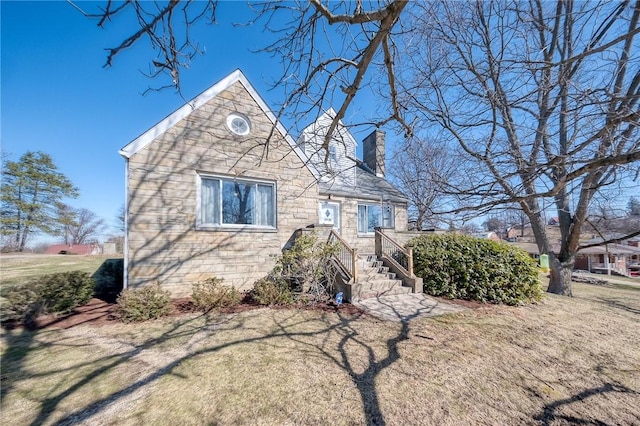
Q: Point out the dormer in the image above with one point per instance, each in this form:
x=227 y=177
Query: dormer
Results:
x=338 y=163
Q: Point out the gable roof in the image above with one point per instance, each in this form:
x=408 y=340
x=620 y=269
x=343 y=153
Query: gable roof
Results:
x=184 y=111
x=320 y=126
x=367 y=186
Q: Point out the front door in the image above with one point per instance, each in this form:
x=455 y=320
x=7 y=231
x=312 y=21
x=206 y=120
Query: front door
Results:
x=329 y=214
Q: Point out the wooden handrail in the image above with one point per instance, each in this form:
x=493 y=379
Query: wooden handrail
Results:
x=393 y=252
x=346 y=256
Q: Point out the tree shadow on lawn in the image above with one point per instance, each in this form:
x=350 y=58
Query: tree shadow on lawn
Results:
x=186 y=328
x=551 y=412
x=365 y=381
x=616 y=303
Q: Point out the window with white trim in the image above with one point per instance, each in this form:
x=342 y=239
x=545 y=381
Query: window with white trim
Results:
x=229 y=202
x=371 y=216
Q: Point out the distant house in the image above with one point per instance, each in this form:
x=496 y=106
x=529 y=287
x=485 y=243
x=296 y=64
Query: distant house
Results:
x=84 y=249
x=489 y=235
x=531 y=248
x=219 y=188
x=622 y=258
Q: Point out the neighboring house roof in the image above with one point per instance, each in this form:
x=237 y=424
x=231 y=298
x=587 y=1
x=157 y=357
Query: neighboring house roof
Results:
x=73 y=249
x=367 y=185
x=531 y=248
x=611 y=249
x=613 y=236
x=183 y=112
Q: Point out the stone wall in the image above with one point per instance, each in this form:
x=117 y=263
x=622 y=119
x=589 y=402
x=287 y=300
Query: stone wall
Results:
x=164 y=245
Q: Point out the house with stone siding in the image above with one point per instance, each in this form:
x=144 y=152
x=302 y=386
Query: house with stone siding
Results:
x=219 y=188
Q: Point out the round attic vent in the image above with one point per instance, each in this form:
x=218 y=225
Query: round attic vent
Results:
x=238 y=124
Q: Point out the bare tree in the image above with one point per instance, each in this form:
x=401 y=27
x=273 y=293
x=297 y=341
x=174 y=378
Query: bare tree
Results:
x=516 y=218
x=633 y=206
x=540 y=98
x=77 y=226
x=421 y=167
x=87 y=226
x=543 y=99
x=326 y=48
x=120 y=219
x=495 y=223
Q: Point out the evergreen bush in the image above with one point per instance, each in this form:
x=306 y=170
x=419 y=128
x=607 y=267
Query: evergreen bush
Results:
x=142 y=304
x=211 y=294
x=62 y=292
x=57 y=293
x=464 y=267
x=272 y=290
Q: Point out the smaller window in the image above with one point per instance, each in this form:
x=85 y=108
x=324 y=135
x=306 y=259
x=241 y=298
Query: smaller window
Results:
x=371 y=216
x=238 y=124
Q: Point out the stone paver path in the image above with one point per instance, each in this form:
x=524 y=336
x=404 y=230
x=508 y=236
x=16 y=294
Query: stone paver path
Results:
x=405 y=307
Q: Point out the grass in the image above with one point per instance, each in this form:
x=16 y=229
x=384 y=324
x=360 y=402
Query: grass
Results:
x=561 y=361
x=18 y=268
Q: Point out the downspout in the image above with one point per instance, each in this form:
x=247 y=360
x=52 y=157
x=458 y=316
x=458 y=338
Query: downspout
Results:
x=125 y=282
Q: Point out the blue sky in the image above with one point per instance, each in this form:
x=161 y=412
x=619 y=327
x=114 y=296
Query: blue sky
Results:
x=58 y=98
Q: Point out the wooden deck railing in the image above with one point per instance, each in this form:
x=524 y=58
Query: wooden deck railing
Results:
x=346 y=257
x=393 y=252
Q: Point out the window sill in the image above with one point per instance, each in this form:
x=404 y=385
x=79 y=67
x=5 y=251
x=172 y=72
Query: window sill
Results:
x=247 y=229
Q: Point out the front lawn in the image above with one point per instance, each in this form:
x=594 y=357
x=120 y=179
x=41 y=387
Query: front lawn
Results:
x=562 y=361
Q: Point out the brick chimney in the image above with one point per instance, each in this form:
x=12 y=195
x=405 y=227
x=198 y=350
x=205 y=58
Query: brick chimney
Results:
x=373 y=152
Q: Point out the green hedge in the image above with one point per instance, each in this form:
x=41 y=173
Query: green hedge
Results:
x=464 y=267
x=55 y=293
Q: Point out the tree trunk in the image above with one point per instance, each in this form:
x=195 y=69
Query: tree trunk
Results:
x=560 y=282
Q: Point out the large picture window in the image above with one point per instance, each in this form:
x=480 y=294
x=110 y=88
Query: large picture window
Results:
x=236 y=202
x=371 y=216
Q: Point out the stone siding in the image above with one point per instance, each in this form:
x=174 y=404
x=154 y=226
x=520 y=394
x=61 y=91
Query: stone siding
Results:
x=164 y=245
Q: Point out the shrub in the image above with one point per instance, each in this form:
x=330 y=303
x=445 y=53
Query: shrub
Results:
x=463 y=267
x=150 y=302
x=305 y=266
x=62 y=292
x=57 y=293
x=212 y=294
x=272 y=290
x=21 y=303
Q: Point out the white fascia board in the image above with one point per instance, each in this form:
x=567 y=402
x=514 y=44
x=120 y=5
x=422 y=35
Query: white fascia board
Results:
x=174 y=118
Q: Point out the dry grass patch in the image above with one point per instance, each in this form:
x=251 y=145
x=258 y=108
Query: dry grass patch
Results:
x=17 y=268
x=562 y=361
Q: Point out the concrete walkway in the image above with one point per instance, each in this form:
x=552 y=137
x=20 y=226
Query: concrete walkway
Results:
x=405 y=307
